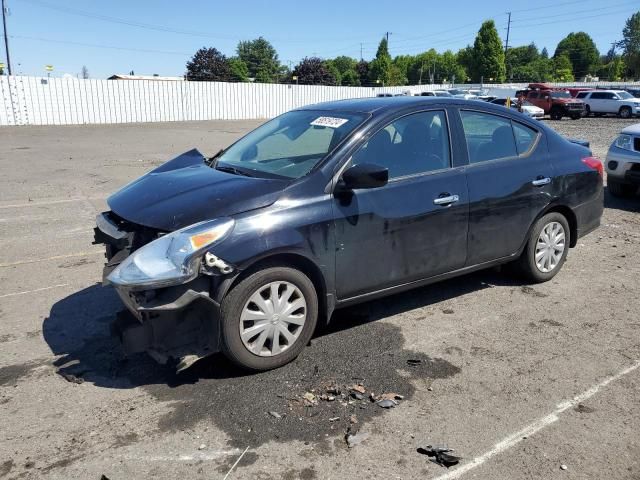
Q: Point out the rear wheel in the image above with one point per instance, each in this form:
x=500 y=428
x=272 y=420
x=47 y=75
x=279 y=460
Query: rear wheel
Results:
x=268 y=318
x=587 y=111
x=546 y=249
x=575 y=116
x=618 y=189
x=556 y=113
x=625 y=112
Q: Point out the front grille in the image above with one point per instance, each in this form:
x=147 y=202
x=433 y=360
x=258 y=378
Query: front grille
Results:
x=574 y=106
x=636 y=144
x=635 y=167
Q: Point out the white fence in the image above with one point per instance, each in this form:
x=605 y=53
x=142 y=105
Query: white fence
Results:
x=70 y=101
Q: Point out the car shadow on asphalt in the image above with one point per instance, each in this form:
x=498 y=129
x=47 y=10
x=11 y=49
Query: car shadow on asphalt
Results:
x=77 y=331
x=630 y=204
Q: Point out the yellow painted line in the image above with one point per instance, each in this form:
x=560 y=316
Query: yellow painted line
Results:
x=55 y=257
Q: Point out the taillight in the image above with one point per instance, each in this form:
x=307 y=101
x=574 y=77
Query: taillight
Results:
x=594 y=163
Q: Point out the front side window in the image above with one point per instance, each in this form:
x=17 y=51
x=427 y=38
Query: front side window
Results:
x=598 y=95
x=411 y=145
x=491 y=137
x=582 y=94
x=290 y=145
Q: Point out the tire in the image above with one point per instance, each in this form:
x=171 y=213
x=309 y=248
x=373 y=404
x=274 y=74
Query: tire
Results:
x=576 y=117
x=527 y=265
x=239 y=301
x=556 y=113
x=587 y=111
x=618 y=189
x=624 y=112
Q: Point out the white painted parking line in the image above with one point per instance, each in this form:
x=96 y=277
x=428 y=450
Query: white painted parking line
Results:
x=34 y=291
x=213 y=455
x=55 y=257
x=50 y=202
x=535 y=426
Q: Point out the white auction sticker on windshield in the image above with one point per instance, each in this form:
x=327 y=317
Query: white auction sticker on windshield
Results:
x=332 y=122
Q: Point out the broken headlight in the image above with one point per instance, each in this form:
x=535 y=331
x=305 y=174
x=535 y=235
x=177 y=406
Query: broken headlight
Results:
x=171 y=259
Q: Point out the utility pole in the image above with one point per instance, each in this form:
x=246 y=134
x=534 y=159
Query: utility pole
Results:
x=387 y=35
x=6 y=37
x=506 y=45
x=360 y=51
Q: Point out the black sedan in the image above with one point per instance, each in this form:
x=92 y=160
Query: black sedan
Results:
x=333 y=204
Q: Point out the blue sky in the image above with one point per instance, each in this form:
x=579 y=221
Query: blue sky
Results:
x=159 y=36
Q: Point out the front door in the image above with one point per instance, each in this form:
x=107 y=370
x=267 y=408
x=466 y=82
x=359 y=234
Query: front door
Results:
x=415 y=226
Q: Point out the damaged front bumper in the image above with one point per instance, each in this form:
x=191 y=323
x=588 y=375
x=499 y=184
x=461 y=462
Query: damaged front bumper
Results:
x=178 y=322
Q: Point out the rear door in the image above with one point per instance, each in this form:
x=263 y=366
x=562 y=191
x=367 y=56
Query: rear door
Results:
x=415 y=226
x=509 y=178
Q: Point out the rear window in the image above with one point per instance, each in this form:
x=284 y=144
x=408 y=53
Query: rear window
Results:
x=491 y=137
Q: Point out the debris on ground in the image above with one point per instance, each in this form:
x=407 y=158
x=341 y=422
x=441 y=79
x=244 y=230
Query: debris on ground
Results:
x=202 y=446
x=275 y=414
x=563 y=467
x=358 y=388
x=387 y=403
x=440 y=454
x=354 y=439
x=353 y=419
x=414 y=362
x=357 y=395
x=448 y=311
x=334 y=419
x=71 y=378
x=391 y=396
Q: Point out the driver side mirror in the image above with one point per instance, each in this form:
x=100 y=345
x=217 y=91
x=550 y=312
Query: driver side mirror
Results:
x=364 y=175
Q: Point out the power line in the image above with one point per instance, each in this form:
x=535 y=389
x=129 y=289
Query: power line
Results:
x=93 y=45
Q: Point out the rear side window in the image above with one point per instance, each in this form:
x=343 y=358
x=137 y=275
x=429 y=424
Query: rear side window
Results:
x=525 y=137
x=598 y=96
x=491 y=137
x=582 y=94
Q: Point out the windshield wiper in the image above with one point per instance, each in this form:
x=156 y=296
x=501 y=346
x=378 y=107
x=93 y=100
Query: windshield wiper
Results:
x=234 y=170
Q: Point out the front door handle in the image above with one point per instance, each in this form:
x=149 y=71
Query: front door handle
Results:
x=448 y=200
x=540 y=181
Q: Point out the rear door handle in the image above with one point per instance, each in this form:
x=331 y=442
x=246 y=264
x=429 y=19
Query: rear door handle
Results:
x=448 y=200
x=540 y=181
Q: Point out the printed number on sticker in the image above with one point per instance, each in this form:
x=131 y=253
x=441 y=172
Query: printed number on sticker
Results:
x=331 y=122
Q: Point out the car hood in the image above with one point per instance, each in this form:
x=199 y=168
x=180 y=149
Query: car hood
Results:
x=632 y=129
x=185 y=190
x=531 y=108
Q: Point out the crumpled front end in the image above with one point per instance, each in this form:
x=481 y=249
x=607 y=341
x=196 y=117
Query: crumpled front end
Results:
x=178 y=322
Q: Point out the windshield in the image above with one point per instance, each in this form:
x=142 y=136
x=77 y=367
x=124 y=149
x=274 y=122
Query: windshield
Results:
x=524 y=103
x=560 y=95
x=624 y=95
x=443 y=94
x=290 y=145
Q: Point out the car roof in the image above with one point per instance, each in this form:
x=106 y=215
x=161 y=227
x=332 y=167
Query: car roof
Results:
x=632 y=129
x=383 y=104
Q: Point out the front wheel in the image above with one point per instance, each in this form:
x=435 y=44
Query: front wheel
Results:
x=556 y=113
x=546 y=249
x=268 y=318
x=576 y=116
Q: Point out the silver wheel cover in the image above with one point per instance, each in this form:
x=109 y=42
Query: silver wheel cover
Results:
x=550 y=247
x=273 y=318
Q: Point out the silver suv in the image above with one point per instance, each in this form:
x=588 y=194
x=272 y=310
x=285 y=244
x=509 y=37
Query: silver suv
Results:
x=623 y=163
x=619 y=102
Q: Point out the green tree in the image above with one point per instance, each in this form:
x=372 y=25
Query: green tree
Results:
x=582 y=52
x=562 y=69
x=518 y=57
x=239 y=70
x=465 y=59
x=313 y=71
x=379 y=68
x=423 y=68
x=208 y=64
x=631 y=45
x=344 y=63
x=449 y=69
x=260 y=58
x=488 y=55
x=1 y=70
x=362 y=69
x=333 y=69
x=544 y=53
x=350 y=78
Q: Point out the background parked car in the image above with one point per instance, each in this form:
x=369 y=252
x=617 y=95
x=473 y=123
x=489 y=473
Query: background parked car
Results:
x=556 y=102
x=523 y=106
x=619 y=102
x=623 y=163
x=436 y=93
